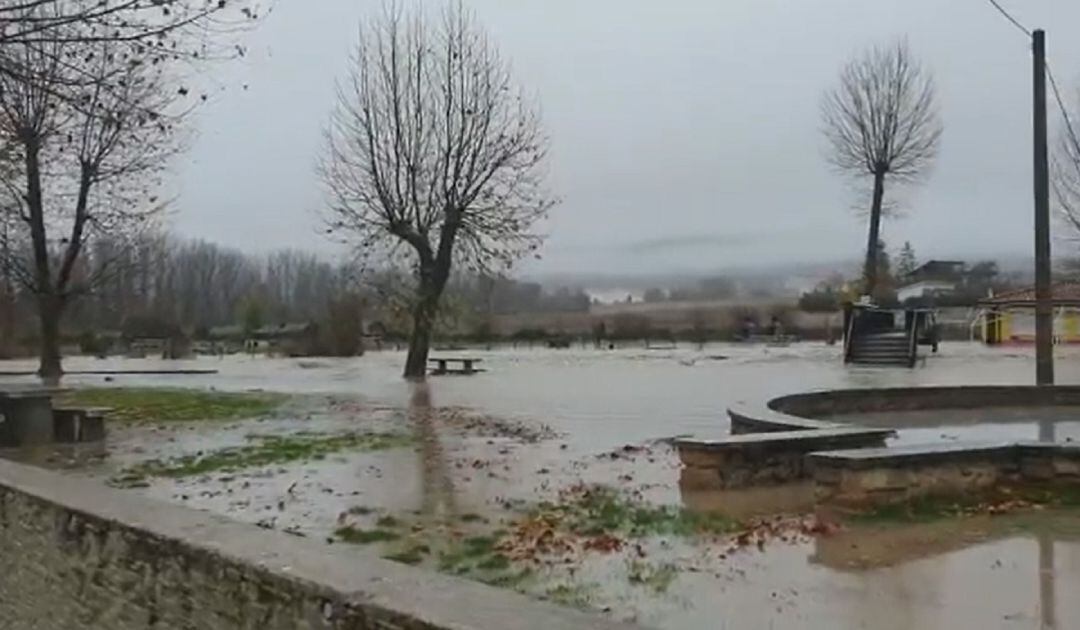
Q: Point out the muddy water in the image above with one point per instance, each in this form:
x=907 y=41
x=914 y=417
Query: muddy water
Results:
x=970 y=575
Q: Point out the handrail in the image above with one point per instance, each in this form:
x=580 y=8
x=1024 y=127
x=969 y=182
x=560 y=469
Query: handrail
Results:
x=913 y=341
x=849 y=337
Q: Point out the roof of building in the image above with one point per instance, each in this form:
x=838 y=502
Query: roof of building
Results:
x=937 y=264
x=1064 y=294
x=284 y=330
x=225 y=332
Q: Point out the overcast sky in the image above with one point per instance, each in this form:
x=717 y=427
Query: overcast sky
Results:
x=685 y=133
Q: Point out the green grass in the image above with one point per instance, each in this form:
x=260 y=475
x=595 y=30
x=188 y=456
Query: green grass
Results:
x=578 y=596
x=656 y=577
x=136 y=405
x=409 y=555
x=936 y=508
x=388 y=522
x=270 y=449
x=355 y=536
x=603 y=510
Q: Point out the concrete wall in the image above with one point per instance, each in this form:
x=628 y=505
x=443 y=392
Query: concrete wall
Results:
x=74 y=554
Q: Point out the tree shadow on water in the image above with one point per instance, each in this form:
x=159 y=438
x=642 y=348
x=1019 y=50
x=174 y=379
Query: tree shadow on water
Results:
x=438 y=500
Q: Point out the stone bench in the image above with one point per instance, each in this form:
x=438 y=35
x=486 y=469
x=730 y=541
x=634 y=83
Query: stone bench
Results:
x=79 y=424
x=764 y=458
x=894 y=475
x=746 y=419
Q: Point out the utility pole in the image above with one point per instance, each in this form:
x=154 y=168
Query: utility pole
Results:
x=1044 y=310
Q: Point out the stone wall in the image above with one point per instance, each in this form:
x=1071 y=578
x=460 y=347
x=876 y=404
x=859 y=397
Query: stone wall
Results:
x=74 y=554
x=888 y=476
x=764 y=458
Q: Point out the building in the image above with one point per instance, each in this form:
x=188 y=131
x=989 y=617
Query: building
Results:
x=291 y=340
x=935 y=278
x=1009 y=318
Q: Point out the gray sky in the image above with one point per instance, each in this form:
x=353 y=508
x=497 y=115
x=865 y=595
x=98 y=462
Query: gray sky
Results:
x=685 y=133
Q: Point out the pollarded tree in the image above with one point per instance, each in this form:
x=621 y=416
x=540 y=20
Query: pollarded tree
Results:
x=882 y=122
x=435 y=155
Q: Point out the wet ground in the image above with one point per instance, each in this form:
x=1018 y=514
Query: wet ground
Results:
x=489 y=448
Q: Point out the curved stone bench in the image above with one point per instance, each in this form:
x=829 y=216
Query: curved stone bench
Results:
x=789 y=437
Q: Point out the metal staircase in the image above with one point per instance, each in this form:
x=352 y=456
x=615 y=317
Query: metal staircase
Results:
x=871 y=336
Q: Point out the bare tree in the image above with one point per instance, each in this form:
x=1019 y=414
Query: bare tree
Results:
x=144 y=21
x=882 y=122
x=1066 y=173
x=93 y=123
x=433 y=154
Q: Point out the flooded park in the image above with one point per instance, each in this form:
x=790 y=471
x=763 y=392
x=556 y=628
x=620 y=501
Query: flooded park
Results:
x=551 y=473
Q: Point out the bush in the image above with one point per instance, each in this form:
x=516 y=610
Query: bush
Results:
x=826 y=301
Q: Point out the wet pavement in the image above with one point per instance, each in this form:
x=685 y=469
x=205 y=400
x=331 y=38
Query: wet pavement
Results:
x=539 y=421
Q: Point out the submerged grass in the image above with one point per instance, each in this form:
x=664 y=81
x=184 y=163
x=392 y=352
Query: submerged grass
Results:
x=356 y=536
x=135 y=405
x=598 y=510
x=1001 y=500
x=655 y=577
x=270 y=449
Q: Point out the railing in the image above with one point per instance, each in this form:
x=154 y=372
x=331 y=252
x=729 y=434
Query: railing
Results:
x=849 y=336
x=913 y=341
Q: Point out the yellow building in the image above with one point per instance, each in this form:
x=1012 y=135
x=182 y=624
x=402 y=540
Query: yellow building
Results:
x=1009 y=318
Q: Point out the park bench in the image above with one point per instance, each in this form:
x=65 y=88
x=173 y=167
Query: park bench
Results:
x=79 y=424
x=28 y=418
x=442 y=366
x=27 y=415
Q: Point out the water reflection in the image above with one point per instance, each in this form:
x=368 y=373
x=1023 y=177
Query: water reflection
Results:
x=438 y=500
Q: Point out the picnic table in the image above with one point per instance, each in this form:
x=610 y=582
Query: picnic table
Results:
x=442 y=365
x=26 y=415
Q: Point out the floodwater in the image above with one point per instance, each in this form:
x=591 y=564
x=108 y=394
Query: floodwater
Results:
x=1008 y=572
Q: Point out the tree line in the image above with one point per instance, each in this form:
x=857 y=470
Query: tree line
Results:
x=158 y=282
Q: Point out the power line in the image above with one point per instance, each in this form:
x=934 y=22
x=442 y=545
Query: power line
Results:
x=1061 y=105
x=1049 y=75
x=1010 y=18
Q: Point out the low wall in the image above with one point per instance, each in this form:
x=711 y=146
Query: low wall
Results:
x=894 y=475
x=767 y=458
x=747 y=420
x=824 y=404
x=76 y=554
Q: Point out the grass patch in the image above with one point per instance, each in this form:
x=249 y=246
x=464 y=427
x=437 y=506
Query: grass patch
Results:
x=573 y=595
x=135 y=405
x=999 y=501
x=357 y=536
x=388 y=522
x=408 y=556
x=270 y=449
x=657 y=578
x=600 y=510
x=476 y=558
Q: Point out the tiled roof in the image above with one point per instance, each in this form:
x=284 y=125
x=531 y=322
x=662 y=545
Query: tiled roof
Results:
x=1062 y=292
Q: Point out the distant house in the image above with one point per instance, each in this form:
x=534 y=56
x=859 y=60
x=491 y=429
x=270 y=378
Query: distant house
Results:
x=143 y=336
x=935 y=278
x=224 y=340
x=1009 y=318
x=294 y=340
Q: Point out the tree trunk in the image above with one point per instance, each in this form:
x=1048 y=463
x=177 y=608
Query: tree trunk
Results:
x=49 y=311
x=871 y=268
x=427 y=306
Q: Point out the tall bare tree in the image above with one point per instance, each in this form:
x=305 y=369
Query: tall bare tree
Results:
x=93 y=122
x=882 y=122
x=435 y=155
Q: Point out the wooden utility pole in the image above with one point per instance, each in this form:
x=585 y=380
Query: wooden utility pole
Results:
x=1044 y=309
